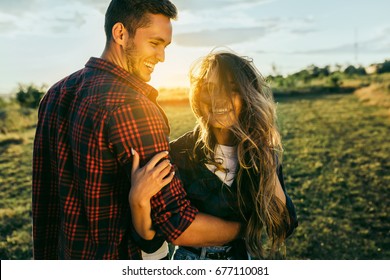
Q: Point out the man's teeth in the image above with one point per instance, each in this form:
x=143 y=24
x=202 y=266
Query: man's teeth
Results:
x=149 y=65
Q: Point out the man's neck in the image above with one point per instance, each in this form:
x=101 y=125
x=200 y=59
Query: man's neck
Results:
x=113 y=55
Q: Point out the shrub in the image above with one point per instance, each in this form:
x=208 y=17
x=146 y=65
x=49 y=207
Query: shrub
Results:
x=384 y=67
x=29 y=95
x=335 y=80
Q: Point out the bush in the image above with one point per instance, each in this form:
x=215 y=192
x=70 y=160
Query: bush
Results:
x=29 y=95
x=384 y=67
x=335 y=80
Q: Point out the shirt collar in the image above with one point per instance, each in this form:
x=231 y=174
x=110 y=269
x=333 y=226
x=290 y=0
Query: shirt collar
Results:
x=136 y=82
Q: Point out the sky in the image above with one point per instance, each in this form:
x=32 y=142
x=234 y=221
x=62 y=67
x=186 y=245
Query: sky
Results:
x=42 y=41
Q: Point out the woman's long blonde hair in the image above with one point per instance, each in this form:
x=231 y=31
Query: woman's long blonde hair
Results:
x=258 y=144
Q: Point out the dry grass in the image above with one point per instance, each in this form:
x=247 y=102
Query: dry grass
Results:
x=173 y=96
x=377 y=94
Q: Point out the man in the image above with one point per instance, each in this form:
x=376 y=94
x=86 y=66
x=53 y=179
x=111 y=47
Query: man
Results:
x=89 y=122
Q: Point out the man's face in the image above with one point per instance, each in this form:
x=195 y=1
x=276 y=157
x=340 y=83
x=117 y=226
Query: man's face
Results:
x=147 y=48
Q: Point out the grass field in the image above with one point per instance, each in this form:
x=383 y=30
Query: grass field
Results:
x=336 y=166
x=338 y=172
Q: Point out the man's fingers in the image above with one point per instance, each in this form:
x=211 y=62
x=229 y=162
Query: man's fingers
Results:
x=135 y=165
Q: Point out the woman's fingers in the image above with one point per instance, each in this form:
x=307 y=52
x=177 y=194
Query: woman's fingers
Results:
x=162 y=166
x=151 y=178
x=164 y=170
x=161 y=173
x=168 y=179
x=152 y=166
x=155 y=159
x=135 y=164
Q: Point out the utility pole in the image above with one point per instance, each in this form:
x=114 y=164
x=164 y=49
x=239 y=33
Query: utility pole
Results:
x=356 y=47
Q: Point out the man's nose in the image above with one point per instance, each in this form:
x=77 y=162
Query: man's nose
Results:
x=161 y=54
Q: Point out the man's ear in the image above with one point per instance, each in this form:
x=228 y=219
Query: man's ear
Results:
x=119 y=33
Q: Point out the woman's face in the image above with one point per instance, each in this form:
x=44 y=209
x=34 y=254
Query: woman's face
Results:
x=219 y=108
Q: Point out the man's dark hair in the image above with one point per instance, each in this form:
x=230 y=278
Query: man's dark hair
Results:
x=133 y=14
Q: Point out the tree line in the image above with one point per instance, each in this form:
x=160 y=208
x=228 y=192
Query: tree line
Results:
x=29 y=95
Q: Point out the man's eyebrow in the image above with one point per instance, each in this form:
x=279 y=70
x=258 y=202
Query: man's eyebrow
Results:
x=161 y=40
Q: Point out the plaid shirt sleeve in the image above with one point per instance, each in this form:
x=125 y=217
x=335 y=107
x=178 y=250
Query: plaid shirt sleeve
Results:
x=140 y=125
x=45 y=192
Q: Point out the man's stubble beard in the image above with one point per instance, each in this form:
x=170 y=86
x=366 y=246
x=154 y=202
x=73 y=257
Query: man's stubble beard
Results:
x=130 y=53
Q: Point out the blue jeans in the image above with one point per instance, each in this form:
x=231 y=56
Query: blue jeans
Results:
x=184 y=254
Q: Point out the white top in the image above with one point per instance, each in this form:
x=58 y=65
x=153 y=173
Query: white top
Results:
x=156 y=255
x=228 y=156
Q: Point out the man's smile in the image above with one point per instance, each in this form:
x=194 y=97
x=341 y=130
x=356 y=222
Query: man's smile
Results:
x=149 y=65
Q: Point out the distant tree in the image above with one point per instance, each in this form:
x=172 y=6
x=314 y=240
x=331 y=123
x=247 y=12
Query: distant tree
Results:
x=29 y=95
x=384 y=67
x=276 y=81
x=352 y=70
x=302 y=75
x=325 y=71
x=361 y=71
x=335 y=80
x=313 y=70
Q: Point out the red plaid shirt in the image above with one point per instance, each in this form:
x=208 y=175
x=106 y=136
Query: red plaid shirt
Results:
x=88 y=123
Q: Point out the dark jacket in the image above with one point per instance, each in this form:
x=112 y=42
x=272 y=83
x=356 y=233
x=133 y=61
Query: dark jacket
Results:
x=207 y=192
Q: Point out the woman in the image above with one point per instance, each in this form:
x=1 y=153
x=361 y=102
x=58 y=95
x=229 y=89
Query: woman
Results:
x=230 y=164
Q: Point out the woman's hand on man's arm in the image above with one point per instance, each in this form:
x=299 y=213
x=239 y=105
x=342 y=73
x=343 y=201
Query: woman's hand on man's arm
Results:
x=205 y=230
x=146 y=181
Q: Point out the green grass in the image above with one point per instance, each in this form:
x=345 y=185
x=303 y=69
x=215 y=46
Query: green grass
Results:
x=15 y=195
x=338 y=173
x=181 y=119
x=336 y=169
